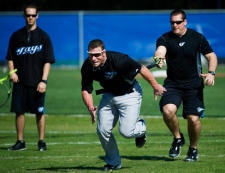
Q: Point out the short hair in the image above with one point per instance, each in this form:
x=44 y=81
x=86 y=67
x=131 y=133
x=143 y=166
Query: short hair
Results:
x=96 y=43
x=178 y=11
x=30 y=5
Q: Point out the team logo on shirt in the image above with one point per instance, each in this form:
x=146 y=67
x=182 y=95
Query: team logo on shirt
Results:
x=110 y=75
x=181 y=44
x=29 y=50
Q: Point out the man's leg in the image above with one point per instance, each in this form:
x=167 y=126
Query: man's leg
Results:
x=194 y=129
x=20 y=125
x=171 y=120
x=40 y=121
x=107 y=119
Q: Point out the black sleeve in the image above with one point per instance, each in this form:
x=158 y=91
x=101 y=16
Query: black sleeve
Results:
x=161 y=42
x=48 y=51
x=9 y=55
x=205 y=47
x=86 y=77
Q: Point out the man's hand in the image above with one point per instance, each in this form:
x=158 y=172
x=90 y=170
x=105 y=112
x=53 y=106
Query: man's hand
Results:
x=92 y=111
x=159 y=61
x=209 y=79
x=14 y=77
x=159 y=91
x=41 y=88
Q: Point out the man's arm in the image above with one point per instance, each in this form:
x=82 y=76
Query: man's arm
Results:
x=46 y=71
x=147 y=75
x=13 y=76
x=212 y=65
x=160 y=52
x=42 y=85
x=88 y=101
x=212 y=61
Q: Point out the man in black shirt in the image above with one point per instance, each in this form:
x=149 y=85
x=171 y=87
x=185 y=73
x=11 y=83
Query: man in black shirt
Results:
x=121 y=99
x=31 y=53
x=182 y=48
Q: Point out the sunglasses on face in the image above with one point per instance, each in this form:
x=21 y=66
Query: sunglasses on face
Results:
x=177 y=22
x=95 y=53
x=31 y=15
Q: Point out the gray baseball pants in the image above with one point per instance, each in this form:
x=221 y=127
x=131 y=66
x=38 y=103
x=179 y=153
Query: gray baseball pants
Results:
x=126 y=109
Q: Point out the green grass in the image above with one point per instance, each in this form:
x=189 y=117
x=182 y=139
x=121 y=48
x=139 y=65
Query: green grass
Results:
x=73 y=144
x=64 y=95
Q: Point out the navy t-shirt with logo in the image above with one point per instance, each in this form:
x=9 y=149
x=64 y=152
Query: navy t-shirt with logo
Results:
x=29 y=51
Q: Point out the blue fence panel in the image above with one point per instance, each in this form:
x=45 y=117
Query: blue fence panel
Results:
x=131 y=33
x=136 y=34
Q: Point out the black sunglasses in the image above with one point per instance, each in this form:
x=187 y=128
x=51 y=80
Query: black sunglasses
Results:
x=29 y=15
x=177 y=22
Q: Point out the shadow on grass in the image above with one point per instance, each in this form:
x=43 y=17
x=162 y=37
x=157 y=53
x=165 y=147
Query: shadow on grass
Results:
x=156 y=158
x=85 y=167
x=65 y=169
x=3 y=148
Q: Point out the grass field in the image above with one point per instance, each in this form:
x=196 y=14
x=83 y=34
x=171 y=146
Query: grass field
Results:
x=73 y=145
x=64 y=94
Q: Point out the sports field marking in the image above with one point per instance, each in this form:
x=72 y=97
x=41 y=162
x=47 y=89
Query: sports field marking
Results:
x=80 y=156
x=130 y=141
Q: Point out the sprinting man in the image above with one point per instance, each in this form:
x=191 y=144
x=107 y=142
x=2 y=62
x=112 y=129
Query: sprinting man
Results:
x=121 y=99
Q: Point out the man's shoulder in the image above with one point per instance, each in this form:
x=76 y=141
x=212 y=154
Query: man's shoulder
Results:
x=19 y=31
x=41 y=31
x=115 y=54
x=192 y=32
x=169 y=33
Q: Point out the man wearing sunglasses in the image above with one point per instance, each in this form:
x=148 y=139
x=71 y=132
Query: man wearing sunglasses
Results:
x=121 y=97
x=30 y=51
x=182 y=48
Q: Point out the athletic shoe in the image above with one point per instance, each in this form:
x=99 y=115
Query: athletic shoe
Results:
x=140 y=141
x=19 y=145
x=42 y=146
x=192 y=155
x=176 y=145
x=109 y=167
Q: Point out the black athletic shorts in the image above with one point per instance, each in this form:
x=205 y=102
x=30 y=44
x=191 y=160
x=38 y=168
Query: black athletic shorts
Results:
x=192 y=100
x=27 y=99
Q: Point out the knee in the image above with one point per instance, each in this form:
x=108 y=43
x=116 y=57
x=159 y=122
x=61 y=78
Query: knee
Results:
x=125 y=133
x=103 y=131
x=193 y=119
x=169 y=111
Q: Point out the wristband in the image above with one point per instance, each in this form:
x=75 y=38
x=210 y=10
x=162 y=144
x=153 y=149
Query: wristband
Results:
x=13 y=71
x=212 y=72
x=45 y=81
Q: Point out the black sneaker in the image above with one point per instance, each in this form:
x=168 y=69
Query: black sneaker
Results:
x=140 y=141
x=19 y=145
x=176 y=145
x=42 y=146
x=109 y=167
x=192 y=155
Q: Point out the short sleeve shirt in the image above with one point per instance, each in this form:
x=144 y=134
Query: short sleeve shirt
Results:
x=183 y=56
x=29 y=51
x=115 y=75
